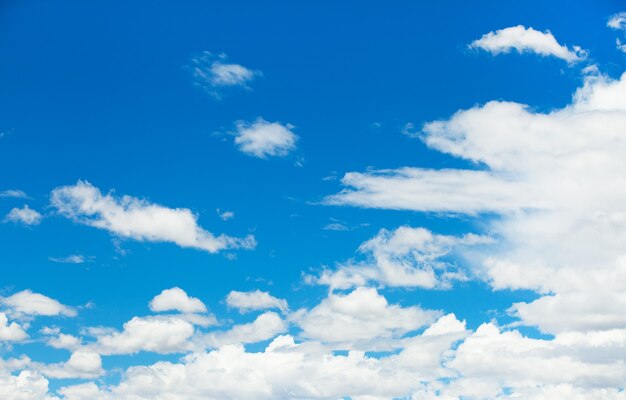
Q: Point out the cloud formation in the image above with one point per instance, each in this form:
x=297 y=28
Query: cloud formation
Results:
x=130 y=217
x=24 y=215
x=264 y=139
x=213 y=73
x=524 y=39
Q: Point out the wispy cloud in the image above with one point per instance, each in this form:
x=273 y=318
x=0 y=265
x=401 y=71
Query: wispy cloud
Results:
x=13 y=193
x=71 y=259
x=24 y=215
x=213 y=73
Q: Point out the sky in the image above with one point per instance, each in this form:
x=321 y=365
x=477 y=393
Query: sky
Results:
x=312 y=200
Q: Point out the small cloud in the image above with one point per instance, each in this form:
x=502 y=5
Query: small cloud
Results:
x=336 y=226
x=620 y=46
x=264 y=139
x=71 y=259
x=409 y=130
x=523 y=40
x=617 y=21
x=212 y=72
x=13 y=193
x=24 y=215
x=225 y=215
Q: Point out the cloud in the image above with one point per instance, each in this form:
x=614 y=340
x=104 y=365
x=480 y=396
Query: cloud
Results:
x=255 y=300
x=158 y=334
x=13 y=193
x=175 y=299
x=264 y=139
x=213 y=73
x=225 y=215
x=10 y=332
x=27 y=303
x=557 y=185
x=130 y=217
x=405 y=257
x=266 y=326
x=81 y=364
x=24 y=215
x=617 y=21
x=71 y=259
x=525 y=39
x=356 y=319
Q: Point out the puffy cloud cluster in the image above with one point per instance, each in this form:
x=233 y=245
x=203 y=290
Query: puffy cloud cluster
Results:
x=264 y=139
x=24 y=215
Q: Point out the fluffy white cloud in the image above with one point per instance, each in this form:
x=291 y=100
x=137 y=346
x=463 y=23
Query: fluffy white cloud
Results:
x=266 y=326
x=81 y=364
x=264 y=139
x=27 y=303
x=175 y=299
x=130 y=217
x=158 y=334
x=12 y=331
x=255 y=300
x=27 y=385
x=24 y=215
x=409 y=257
x=360 y=318
x=525 y=39
x=212 y=73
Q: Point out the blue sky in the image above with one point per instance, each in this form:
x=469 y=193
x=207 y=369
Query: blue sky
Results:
x=289 y=152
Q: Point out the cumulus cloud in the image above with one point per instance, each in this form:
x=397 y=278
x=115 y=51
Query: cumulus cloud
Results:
x=130 y=217
x=358 y=318
x=175 y=299
x=255 y=300
x=26 y=303
x=24 y=215
x=556 y=181
x=405 y=257
x=266 y=326
x=264 y=139
x=10 y=331
x=213 y=73
x=524 y=39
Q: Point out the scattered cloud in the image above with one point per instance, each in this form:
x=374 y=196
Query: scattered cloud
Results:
x=213 y=73
x=24 y=215
x=264 y=139
x=27 y=303
x=130 y=217
x=175 y=299
x=617 y=21
x=409 y=257
x=13 y=193
x=255 y=300
x=225 y=215
x=524 y=39
x=71 y=259
x=10 y=331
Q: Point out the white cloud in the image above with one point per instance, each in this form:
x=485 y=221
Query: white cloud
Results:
x=266 y=326
x=225 y=215
x=255 y=300
x=13 y=193
x=10 y=332
x=158 y=334
x=409 y=257
x=24 y=215
x=213 y=73
x=27 y=385
x=27 y=303
x=175 y=299
x=358 y=318
x=555 y=181
x=71 y=259
x=617 y=21
x=525 y=39
x=264 y=139
x=81 y=364
x=130 y=217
